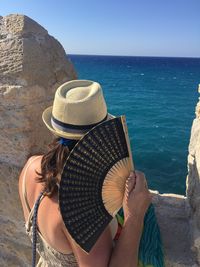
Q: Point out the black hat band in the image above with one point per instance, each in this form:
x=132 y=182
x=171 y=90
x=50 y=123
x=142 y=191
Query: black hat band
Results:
x=71 y=128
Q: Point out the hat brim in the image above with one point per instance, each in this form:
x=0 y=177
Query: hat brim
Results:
x=46 y=117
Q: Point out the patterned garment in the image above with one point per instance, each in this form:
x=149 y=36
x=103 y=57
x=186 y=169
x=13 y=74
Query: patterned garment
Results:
x=151 y=248
x=49 y=257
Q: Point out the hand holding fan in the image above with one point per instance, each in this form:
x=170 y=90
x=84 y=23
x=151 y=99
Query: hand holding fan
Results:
x=93 y=181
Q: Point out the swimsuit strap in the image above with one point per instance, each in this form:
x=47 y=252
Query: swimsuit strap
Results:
x=34 y=224
x=33 y=211
x=24 y=192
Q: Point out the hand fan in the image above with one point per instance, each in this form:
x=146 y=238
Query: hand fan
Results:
x=93 y=181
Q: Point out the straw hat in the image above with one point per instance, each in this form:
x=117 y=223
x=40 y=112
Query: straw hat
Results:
x=78 y=106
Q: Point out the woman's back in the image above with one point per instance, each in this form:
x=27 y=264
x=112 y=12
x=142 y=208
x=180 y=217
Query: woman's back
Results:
x=53 y=244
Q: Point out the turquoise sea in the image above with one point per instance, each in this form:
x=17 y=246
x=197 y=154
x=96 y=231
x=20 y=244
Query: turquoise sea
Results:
x=158 y=97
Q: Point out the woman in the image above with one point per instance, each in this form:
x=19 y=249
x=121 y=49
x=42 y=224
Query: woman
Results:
x=78 y=106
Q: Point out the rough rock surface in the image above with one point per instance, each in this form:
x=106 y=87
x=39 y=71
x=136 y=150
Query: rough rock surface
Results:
x=193 y=181
x=32 y=65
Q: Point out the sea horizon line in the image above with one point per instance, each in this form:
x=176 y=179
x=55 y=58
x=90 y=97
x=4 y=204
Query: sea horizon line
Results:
x=106 y=55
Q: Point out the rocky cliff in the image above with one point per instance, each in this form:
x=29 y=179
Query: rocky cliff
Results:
x=193 y=182
x=32 y=65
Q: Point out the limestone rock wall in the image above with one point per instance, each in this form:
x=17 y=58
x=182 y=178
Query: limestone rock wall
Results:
x=32 y=65
x=173 y=213
x=193 y=181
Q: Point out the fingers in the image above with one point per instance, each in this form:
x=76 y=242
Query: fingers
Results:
x=139 y=174
x=136 y=182
x=141 y=182
x=130 y=184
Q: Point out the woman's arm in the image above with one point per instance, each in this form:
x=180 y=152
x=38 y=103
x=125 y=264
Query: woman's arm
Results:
x=136 y=201
x=125 y=252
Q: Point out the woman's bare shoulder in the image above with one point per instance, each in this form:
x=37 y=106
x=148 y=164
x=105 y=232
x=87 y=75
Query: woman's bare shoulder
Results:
x=35 y=162
x=30 y=165
x=28 y=172
x=28 y=175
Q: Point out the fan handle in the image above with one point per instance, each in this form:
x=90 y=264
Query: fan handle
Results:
x=123 y=119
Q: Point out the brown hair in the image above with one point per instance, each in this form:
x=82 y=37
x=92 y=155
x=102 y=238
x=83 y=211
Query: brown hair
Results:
x=52 y=165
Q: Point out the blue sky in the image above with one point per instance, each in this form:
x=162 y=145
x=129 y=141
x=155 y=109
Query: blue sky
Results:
x=117 y=27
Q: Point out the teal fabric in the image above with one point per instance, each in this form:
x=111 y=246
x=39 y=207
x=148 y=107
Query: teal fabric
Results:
x=151 y=252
